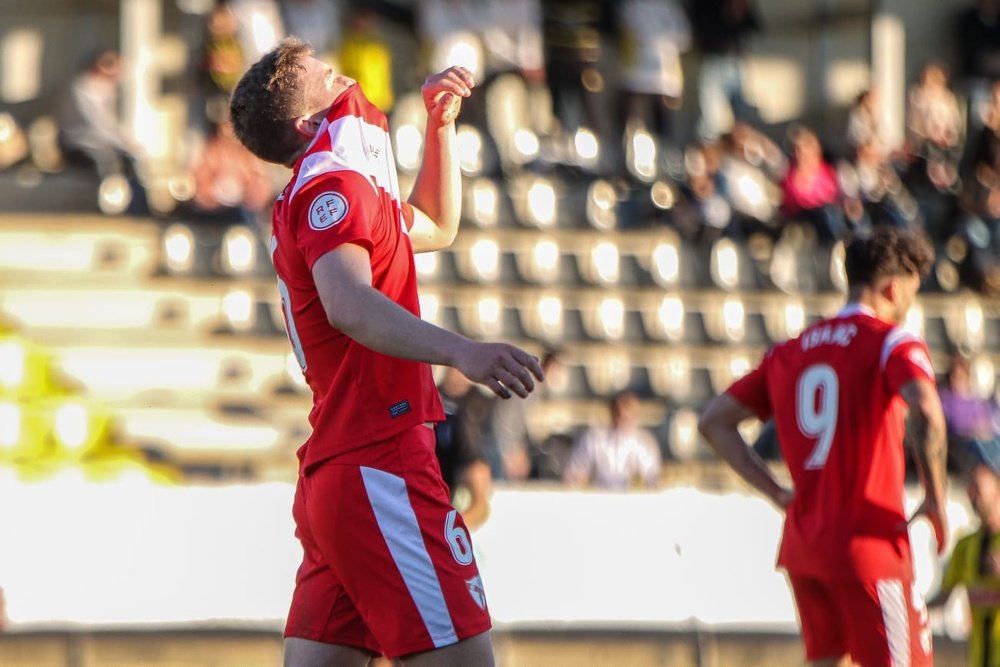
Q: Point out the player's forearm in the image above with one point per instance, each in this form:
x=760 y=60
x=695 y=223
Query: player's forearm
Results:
x=438 y=188
x=928 y=435
x=729 y=444
x=369 y=317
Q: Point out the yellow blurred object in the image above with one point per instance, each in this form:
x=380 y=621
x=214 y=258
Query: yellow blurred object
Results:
x=369 y=62
x=25 y=370
x=79 y=429
x=24 y=431
x=121 y=465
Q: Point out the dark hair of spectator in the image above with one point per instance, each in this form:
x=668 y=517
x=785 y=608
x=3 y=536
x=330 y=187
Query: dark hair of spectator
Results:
x=887 y=252
x=267 y=98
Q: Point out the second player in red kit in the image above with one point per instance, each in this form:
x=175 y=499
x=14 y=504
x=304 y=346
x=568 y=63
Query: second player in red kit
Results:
x=838 y=395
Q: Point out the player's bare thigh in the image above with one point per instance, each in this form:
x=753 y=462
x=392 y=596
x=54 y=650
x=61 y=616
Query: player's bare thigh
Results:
x=477 y=650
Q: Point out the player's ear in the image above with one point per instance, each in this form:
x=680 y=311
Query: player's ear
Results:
x=892 y=290
x=307 y=126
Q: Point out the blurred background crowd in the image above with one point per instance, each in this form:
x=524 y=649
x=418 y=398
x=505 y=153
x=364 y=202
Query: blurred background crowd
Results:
x=629 y=166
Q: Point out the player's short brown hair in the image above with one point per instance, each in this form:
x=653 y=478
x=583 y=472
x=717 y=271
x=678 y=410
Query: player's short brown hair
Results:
x=887 y=252
x=266 y=100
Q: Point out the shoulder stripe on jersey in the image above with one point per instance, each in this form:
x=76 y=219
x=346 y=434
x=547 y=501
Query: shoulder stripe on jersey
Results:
x=398 y=524
x=894 y=339
x=360 y=147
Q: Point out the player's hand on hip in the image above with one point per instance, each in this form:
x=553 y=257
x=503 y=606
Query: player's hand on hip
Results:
x=934 y=513
x=783 y=498
x=504 y=368
x=443 y=93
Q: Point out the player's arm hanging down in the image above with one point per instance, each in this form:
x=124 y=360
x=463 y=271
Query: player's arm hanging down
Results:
x=926 y=431
x=718 y=425
x=343 y=280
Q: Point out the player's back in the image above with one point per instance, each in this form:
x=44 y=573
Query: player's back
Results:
x=834 y=391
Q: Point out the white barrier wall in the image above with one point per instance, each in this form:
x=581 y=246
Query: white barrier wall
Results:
x=131 y=552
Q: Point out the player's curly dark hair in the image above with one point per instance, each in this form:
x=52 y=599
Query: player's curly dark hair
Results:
x=887 y=252
x=267 y=98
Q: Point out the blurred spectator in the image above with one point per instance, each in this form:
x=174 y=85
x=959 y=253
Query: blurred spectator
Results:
x=317 y=22
x=984 y=179
x=512 y=39
x=464 y=441
x=811 y=191
x=259 y=26
x=934 y=126
x=90 y=127
x=516 y=97
x=863 y=125
x=229 y=182
x=751 y=168
x=365 y=57
x=970 y=418
x=654 y=33
x=979 y=54
x=221 y=64
x=611 y=457
x=527 y=449
x=706 y=193
x=873 y=192
x=721 y=28
x=500 y=42
x=448 y=31
x=975 y=561
x=574 y=35
x=934 y=144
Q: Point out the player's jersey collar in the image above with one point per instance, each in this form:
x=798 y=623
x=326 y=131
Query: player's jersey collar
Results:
x=854 y=308
x=336 y=110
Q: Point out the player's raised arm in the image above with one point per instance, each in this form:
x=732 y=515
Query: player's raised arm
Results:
x=929 y=440
x=437 y=192
x=718 y=425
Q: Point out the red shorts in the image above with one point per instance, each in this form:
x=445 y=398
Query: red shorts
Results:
x=387 y=563
x=876 y=623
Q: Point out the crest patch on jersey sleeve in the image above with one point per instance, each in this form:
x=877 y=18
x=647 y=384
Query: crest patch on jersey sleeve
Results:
x=326 y=210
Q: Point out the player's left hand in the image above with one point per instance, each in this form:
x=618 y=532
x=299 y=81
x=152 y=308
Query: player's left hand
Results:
x=939 y=521
x=443 y=93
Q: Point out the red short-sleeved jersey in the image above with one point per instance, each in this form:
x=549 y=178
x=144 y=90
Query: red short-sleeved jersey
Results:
x=834 y=396
x=344 y=189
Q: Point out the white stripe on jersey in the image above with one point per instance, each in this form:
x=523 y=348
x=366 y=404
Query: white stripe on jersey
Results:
x=896 y=337
x=897 y=622
x=398 y=524
x=357 y=146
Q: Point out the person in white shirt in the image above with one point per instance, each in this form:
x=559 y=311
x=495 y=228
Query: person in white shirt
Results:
x=611 y=457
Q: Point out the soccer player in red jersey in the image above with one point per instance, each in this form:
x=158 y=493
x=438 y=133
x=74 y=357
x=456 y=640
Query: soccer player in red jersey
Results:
x=388 y=566
x=838 y=395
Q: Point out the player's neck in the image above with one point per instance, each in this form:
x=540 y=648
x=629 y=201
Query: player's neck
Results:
x=870 y=301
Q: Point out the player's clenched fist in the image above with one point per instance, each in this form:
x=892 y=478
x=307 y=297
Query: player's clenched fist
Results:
x=501 y=367
x=443 y=93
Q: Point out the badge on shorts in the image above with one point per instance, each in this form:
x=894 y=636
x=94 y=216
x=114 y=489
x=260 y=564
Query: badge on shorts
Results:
x=475 y=586
x=327 y=210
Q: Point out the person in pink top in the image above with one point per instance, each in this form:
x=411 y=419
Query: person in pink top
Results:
x=388 y=566
x=811 y=190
